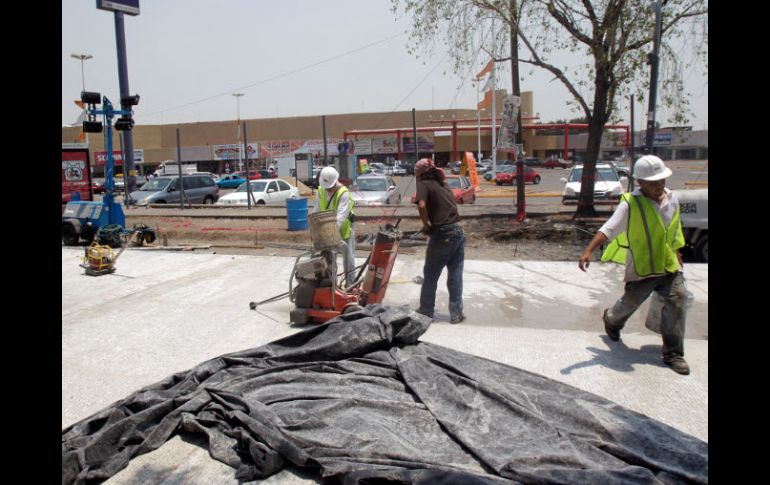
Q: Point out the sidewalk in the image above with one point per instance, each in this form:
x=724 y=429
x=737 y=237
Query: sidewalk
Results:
x=164 y=312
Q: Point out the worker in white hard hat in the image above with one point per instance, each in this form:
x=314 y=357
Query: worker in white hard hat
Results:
x=333 y=196
x=646 y=234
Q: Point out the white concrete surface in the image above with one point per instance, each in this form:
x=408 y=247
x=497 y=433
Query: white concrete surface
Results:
x=165 y=312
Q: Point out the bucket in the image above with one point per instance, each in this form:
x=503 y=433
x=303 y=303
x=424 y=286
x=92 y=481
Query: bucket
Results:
x=323 y=230
x=296 y=214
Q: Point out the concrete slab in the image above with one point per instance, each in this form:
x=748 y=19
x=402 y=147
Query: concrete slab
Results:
x=165 y=312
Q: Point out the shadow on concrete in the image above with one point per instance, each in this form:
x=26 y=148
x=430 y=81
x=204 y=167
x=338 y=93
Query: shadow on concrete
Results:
x=620 y=357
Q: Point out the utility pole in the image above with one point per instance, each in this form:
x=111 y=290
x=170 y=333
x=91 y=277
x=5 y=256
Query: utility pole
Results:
x=238 y=124
x=494 y=106
x=653 y=60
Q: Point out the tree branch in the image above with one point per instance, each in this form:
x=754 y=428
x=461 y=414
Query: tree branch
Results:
x=568 y=25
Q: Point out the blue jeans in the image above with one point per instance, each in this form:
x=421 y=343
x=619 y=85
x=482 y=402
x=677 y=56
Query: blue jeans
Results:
x=445 y=248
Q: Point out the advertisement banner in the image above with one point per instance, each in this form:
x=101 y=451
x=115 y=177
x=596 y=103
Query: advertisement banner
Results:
x=117 y=156
x=469 y=165
x=662 y=138
x=233 y=151
x=274 y=148
x=362 y=147
x=424 y=143
x=385 y=145
x=506 y=141
x=317 y=146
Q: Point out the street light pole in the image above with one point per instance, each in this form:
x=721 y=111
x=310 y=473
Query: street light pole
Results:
x=653 y=60
x=238 y=103
x=82 y=58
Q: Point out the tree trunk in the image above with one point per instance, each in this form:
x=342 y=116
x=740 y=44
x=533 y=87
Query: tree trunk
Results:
x=521 y=203
x=596 y=121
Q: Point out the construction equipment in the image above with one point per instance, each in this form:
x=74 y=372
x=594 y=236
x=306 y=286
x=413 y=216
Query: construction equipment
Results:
x=100 y=259
x=319 y=296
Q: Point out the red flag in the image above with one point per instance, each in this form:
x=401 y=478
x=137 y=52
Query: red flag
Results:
x=487 y=68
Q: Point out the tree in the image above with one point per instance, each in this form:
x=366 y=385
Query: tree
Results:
x=616 y=35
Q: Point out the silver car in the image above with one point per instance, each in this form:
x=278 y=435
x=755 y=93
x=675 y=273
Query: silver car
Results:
x=199 y=189
x=375 y=190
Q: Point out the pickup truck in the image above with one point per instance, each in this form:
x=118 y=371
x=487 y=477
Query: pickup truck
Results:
x=694 y=214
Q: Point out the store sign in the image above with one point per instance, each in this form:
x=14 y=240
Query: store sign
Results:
x=662 y=138
x=424 y=143
x=234 y=151
x=362 y=147
x=117 y=156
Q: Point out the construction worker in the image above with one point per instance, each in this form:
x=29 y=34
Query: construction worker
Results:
x=440 y=220
x=646 y=234
x=333 y=196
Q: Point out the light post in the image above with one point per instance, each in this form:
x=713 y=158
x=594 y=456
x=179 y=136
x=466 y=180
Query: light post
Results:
x=238 y=104
x=82 y=58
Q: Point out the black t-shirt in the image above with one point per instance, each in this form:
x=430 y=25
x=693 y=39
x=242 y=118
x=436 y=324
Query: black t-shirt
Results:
x=439 y=201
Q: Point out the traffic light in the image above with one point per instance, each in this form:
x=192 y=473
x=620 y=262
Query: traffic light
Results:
x=124 y=123
x=90 y=97
x=92 y=127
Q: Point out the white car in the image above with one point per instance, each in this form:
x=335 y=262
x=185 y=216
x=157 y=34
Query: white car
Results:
x=608 y=185
x=272 y=191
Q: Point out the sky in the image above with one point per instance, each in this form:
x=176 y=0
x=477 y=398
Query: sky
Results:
x=289 y=58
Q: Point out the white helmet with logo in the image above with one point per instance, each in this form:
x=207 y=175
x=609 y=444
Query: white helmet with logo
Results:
x=328 y=177
x=651 y=168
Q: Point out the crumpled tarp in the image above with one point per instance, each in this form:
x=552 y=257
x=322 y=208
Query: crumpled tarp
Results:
x=360 y=400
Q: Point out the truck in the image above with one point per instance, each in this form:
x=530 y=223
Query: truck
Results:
x=171 y=167
x=694 y=214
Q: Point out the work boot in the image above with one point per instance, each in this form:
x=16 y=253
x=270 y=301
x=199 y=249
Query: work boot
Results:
x=457 y=318
x=678 y=364
x=612 y=333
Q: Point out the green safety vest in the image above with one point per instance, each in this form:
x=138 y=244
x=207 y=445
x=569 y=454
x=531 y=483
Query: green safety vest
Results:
x=653 y=246
x=332 y=206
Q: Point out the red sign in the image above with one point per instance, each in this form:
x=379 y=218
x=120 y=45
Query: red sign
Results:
x=101 y=158
x=75 y=174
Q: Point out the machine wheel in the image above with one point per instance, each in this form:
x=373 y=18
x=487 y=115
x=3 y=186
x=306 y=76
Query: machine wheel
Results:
x=498 y=182
x=260 y=202
x=702 y=249
x=208 y=200
x=69 y=235
x=536 y=180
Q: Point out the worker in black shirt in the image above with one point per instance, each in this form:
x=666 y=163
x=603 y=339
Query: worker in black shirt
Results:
x=440 y=220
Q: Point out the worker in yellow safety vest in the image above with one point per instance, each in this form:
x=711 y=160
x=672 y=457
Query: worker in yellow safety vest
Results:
x=333 y=196
x=646 y=234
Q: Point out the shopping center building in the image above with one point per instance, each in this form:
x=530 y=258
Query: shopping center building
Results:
x=380 y=137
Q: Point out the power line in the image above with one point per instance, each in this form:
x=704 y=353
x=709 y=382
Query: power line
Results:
x=279 y=76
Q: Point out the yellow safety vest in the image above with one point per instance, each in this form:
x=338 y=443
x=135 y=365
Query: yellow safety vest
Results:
x=332 y=206
x=653 y=245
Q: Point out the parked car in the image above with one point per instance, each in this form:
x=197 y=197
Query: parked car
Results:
x=376 y=168
x=230 y=180
x=198 y=189
x=98 y=186
x=490 y=175
x=462 y=190
x=622 y=170
x=480 y=168
x=407 y=165
x=120 y=184
x=556 y=163
x=395 y=170
x=267 y=174
x=507 y=176
x=533 y=162
x=375 y=190
x=608 y=185
x=263 y=192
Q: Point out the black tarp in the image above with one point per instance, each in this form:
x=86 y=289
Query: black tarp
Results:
x=361 y=400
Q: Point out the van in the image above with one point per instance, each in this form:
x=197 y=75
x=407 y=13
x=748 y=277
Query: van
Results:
x=198 y=189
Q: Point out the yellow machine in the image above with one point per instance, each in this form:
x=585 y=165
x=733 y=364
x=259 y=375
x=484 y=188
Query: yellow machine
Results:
x=100 y=259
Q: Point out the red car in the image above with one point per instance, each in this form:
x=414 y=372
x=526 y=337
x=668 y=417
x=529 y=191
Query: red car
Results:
x=555 y=163
x=507 y=175
x=462 y=190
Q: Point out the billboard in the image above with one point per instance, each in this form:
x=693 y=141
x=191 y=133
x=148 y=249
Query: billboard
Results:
x=662 y=138
x=385 y=145
x=75 y=174
x=424 y=143
x=233 y=151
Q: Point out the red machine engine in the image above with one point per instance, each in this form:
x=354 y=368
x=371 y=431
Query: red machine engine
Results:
x=317 y=296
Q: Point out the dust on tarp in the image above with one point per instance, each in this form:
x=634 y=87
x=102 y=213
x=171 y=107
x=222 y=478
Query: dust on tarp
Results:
x=361 y=399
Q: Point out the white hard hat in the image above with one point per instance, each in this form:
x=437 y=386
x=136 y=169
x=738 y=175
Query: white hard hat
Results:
x=651 y=168
x=328 y=177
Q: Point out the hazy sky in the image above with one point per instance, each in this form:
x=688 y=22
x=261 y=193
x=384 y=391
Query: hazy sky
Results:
x=288 y=58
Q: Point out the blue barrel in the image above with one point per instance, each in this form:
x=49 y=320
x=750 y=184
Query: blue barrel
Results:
x=296 y=214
